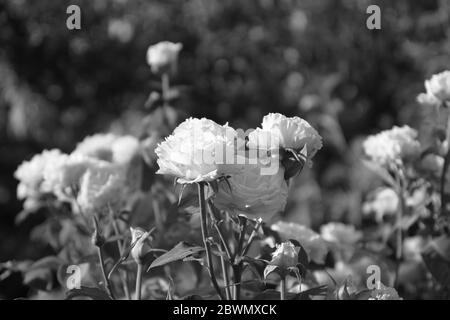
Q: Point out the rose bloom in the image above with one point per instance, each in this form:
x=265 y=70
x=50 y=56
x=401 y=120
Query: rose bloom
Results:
x=278 y=130
x=314 y=245
x=30 y=173
x=163 y=55
x=109 y=147
x=102 y=186
x=285 y=256
x=199 y=150
x=439 y=86
x=253 y=194
x=63 y=178
x=392 y=146
x=340 y=233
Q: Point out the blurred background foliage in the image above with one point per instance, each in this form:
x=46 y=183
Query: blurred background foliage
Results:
x=240 y=60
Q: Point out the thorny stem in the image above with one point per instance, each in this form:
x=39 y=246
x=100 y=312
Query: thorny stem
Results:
x=138 y=281
x=204 y=227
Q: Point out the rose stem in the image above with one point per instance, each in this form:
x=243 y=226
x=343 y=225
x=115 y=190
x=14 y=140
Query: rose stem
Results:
x=201 y=200
x=98 y=242
x=237 y=281
x=283 y=288
x=138 y=281
x=225 y=277
x=399 y=240
x=102 y=267
x=237 y=266
x=120 y=244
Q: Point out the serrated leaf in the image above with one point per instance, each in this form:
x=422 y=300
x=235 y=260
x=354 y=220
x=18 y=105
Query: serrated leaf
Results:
x=88 y=292
x=181 y=251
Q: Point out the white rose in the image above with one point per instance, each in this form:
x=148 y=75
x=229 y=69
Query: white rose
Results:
x=289 y=133
x=109 y=147
x=439 y=86
x=31 y=173
x=254 y=194
x=102 y=186
x=312 y=242
x=198 y=150
x=396 y=145
x=124 y=149
x=340 y=233
x=163 y=55
x=97 y=146
x=64 y=176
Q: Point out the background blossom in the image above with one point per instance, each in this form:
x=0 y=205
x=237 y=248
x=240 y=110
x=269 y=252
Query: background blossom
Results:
x=31 y=173
x=163 y=55
x=392 y=146
x=438 y=86
x=340 y=233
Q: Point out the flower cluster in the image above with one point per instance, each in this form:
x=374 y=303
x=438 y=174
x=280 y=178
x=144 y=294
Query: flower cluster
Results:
x=200 y=150
x=93 y=175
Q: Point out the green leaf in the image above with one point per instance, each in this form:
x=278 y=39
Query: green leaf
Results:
x=88 y=292
x=181 y=251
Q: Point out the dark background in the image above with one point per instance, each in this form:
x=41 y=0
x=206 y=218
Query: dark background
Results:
x=240 y=60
